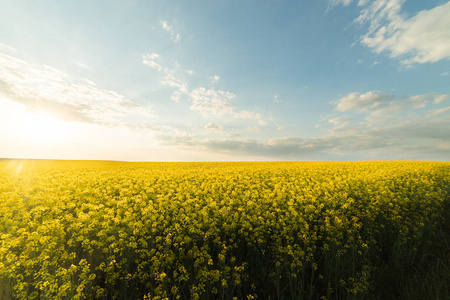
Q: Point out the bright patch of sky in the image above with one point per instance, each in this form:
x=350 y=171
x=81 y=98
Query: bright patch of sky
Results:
x=225 y=80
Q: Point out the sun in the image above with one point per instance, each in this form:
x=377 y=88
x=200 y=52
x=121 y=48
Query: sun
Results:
x=41 y=128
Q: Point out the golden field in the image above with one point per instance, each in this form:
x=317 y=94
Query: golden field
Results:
x=248 y=230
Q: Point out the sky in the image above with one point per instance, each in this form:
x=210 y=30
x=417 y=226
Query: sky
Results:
x=226 y=80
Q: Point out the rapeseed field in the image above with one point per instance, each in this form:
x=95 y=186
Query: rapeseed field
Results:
x=248 y=230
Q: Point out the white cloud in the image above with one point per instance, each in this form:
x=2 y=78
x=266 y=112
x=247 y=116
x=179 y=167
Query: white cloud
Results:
x=419 y=101
x=214 y=127
x=276 y=99
x=219 y=129
x=332 y=3
x=152 y=56
x=149 y=60
x=45 y=89
x=176 y=96
x=422 y=38
x=362 y=2
x=381 y=107
x=438 y=111
x=362 y=102
x=172 y=80
x=172 y=77
x=215 y=79
x=402 y=109
x=339 y=120
x=174 y=36
x=7 y=48
x=340 y=2
x=245 y=114
x=391 y=125
x=441 y=98
x=153 y=65
x=211 y=103
x=423 y=99
x=340 y=124
x=445 y=73
x=84 y=66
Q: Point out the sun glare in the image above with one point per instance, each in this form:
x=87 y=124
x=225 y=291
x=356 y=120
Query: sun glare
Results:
x=41 y=128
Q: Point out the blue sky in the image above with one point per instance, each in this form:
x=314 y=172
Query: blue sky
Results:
x=225 y=80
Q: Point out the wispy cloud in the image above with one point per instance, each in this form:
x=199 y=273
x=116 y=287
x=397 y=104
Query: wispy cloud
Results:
x=211 y=127
x=339 y=120
x=174 y=36
x=171 y=79
x=364 y=102
x=393 y=123
x=172 y=76
x=422 y=38
x=84 y=66
x=438 y=111
x=150 y=60
x=380 y=107
x=7 y=48
x=209 y=102
x=215 y=79
x=151 y=56
x=438 y=98
x=46 y=89
x=340 y=2
x=212 y=104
